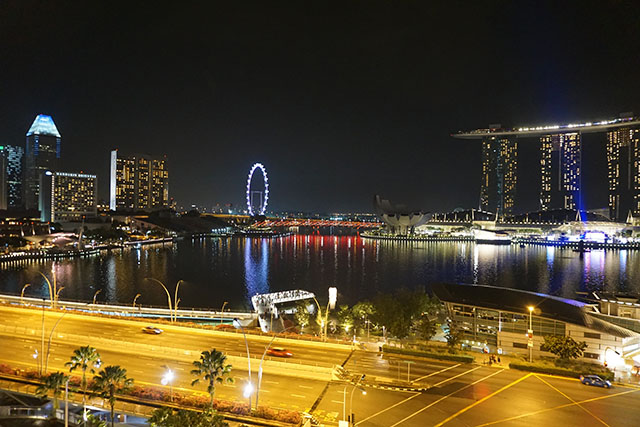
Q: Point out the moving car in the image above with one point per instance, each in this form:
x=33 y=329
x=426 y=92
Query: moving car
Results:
x=152 y=330
x=279 y=352
x=594 y=380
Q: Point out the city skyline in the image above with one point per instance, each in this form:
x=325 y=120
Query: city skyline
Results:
x=321 y=98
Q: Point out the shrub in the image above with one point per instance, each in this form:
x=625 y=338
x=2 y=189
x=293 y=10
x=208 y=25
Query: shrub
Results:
x=431 y=355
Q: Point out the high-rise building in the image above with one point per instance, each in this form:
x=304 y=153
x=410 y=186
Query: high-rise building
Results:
x=67 y=196
x=14 y=157
x=560 y=167
x=42 y=154
x=499 y=174
x=623 y=167
x=138 y=182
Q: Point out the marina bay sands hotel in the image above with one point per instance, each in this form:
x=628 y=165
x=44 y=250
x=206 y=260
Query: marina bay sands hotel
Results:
x=560 y=165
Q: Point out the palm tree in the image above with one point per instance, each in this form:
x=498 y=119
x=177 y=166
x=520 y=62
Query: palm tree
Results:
x=108 y=382
x=84 y=358
x=54 y=383
x=212 y=366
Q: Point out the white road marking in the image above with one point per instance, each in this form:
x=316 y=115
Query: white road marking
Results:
x=299 y=395
x=337 y=401
x=444 y=397
x=453 y=378
x=437 y=372
x=304 y=386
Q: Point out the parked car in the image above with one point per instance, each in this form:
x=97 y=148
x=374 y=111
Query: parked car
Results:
x=152 y=330
x=279 y=352
x=595 y=381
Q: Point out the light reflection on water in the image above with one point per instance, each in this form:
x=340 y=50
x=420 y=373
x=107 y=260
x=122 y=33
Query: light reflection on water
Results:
x=218 y=270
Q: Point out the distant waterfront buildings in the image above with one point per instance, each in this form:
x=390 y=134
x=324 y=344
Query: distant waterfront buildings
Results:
x=42 y=153
x=13 y=157
x=623 y=172
x=67 y=196
x=499 y=175
x=138 y=182
x=561 y=165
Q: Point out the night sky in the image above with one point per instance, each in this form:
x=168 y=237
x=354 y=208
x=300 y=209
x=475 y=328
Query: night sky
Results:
x=340 y=100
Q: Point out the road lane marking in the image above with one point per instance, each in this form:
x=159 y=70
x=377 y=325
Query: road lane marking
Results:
x=305 y=386
x=390 y=407
x=540 y=411
x=299 y=395
x=459 y=375
x=463 y=410
x=437 y=372
x=448 y=395
x=576 y=403
x=337 y=401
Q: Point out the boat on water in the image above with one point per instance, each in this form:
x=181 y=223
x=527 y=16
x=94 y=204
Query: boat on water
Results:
x=491 y=237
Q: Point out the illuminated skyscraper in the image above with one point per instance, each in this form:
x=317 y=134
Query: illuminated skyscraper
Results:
x=42 y=153
x=560 y=168
x=138 y=182
x=499 y=174
x=67 y=196
x=623 y=167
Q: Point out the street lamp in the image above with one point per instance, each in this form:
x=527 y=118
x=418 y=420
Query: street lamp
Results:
x=168 y=378
x=22 y=293
x=222 y=312
x=344 y=399
x=530 y=333
x=135 y=299
x=176 y=301
x=95 y=296
x=262 y=360
x=248 y=389
x=168 y=295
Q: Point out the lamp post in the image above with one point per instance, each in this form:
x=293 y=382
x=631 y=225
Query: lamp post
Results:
x=22 y=293
x=46 y=365
x=96 y=296
x=530 y=333
x=248 y=389
x=262 y=360
x=168 y=378
x=176 y=301
x=344 y=400
x=42 y=339
x=134 y=300
x=222 y=312
x=167 y=292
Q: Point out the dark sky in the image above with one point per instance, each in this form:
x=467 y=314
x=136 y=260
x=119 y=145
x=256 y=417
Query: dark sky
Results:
x=340 y=100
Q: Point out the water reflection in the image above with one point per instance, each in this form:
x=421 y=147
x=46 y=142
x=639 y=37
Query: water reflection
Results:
x=219 y=270
x=256 y=268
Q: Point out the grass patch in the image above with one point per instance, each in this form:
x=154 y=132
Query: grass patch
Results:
x=462 y=358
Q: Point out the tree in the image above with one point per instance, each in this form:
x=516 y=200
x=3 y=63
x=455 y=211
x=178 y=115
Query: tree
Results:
x=110 y=381
x=213 y=368
x=54 y=382
x=302 y=315
x=168 y=417
x=345 y=318
x=93 y=421
x=566 y=348
x=362 y=313
x=398 y=311
x=426 y=328
x=84 y=358
x=453 y=337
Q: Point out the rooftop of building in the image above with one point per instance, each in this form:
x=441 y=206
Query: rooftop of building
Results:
x=516 y=301
x=43 y=125
x=534 y=131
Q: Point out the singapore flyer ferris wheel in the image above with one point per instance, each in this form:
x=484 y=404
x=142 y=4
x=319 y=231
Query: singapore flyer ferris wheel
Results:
x=257 y=195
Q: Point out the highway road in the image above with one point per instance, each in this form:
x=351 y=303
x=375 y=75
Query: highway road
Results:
x=456 y=394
